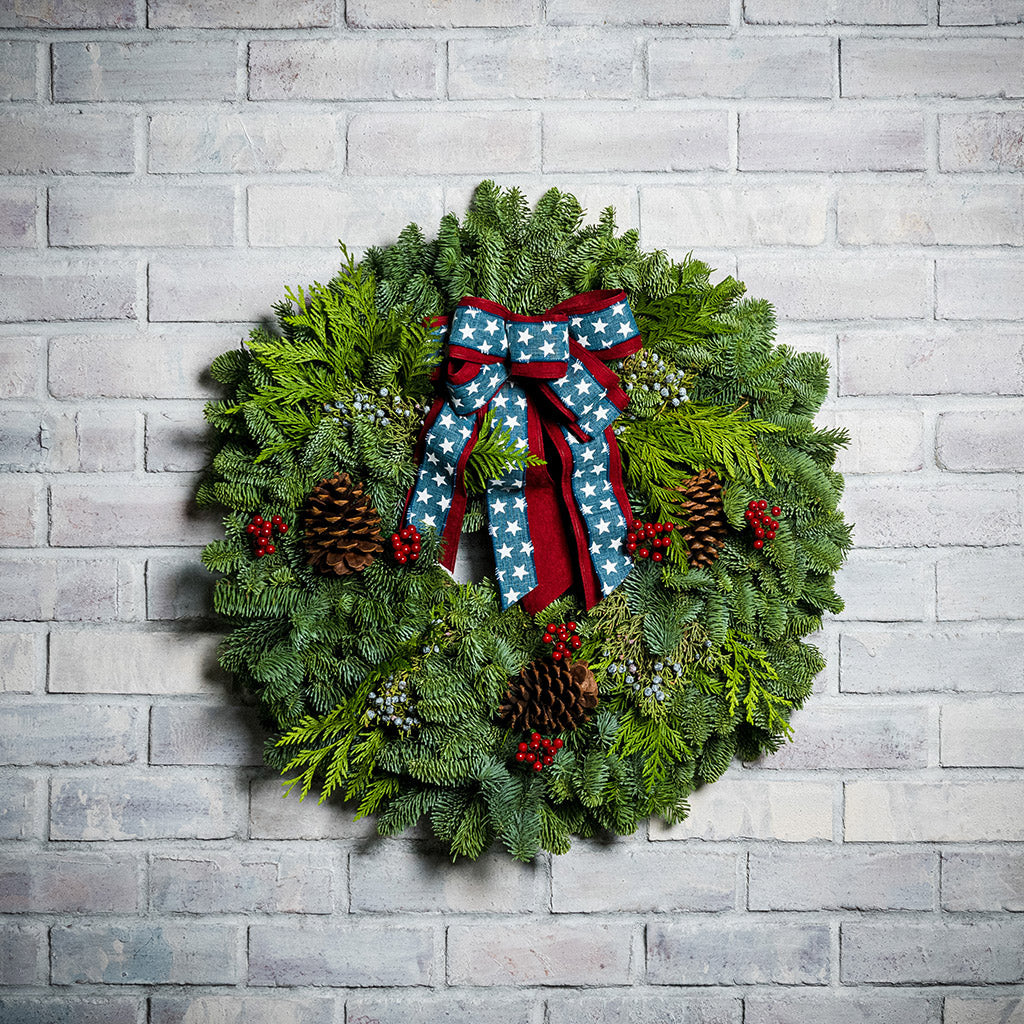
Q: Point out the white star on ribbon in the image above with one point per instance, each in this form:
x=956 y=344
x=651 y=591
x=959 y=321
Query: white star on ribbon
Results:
x=512 y=595
x=501 y=399
x=492 y=326
x=617 y=308
x=473 y=388
x=439 y=480
x=432 y=458
x=505 y=551
x=603 y=526
x=466 y=331
x=576 y=321
x=586 y=509
x=465 y=431
x=607 y=504
x=599 y=326
x=447 y=446
x=498 y=507
x=588 y=454
x=512 y=421
x=625 y=330
x=524 y=547
x=486 y=345
x=595 y=548
x=547 y=349
x=520 y=504
x=513 y=527
x=444 y=502
x=519 y=572
x=430 y=520
x=446 y=420
x=613 y=544
x=583 y=386
x=524 y=336
x=589 y=490
x=609 y=567
x=422 y=496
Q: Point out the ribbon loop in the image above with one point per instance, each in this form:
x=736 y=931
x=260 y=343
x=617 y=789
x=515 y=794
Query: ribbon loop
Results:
x=545 y=377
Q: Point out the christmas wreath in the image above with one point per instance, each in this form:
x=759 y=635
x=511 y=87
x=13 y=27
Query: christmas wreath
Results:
x=662 y=514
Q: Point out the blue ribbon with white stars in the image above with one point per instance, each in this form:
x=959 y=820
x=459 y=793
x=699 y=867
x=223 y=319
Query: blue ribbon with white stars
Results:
x=545 y=378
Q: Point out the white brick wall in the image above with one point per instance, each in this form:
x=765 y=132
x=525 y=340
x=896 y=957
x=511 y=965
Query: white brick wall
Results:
x=168 y=166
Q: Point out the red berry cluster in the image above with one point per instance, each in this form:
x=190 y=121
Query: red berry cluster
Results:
x=564 y=638
x=261 y=530
x=764 y=524
x=405 y=545
x=647 y=540
x=538 y=752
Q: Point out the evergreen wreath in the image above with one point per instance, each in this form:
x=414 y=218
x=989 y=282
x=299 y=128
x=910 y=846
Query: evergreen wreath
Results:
x=383 y=680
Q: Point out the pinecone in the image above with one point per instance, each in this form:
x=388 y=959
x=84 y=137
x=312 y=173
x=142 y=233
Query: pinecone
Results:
x=549 y=696
x=706 y=527
x=342 y=528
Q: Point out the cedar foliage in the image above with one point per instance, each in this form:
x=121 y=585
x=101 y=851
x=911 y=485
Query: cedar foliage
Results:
x=338 y=384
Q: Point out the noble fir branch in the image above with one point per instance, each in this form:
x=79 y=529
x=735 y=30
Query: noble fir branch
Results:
x=495 y=454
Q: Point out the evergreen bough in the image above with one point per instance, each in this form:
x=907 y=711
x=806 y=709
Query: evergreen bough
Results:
x=340 y=383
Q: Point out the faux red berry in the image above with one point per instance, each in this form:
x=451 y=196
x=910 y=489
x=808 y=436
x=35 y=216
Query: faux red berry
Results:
x=414 y=547
x=401 y=559
x=576 y=643
x=548 y=759
x=396 y=540
x=770 y=534
x=657 y=556
x=523 y=746
x=631 y=547
x=571 y=626
x=557 y=655
x=759 y=544
x=644 y=553
x=669 y=527
x=546 y=638
x=414 y=556
x=762 y=504
x=258 y=520
x=251 y=528
x=537 y=766
x=758 y=532
x=284 y=527
x=520 y=756
x=531 y=758
x=557 y=743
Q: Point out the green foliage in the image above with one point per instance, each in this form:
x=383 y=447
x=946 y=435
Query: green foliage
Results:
x=694 y=667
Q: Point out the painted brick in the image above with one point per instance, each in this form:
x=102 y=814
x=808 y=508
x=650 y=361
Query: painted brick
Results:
x=866 y=583
x=20 y=802
x=922 y=662
x=961 y=67
x=737 y=953
x=145 y=954
x=273 y=815
x=977 y=289
x=22 y=952
x=837 y=1007
x=359 y=215
x=59 y=733
x=105 y=440
x=23 y=440
x=20 y=660
x=931 y=952
x=556 y=952
x=576 y=66
x=97 y=215
x=176 y=442
x=144 y=806
x=178 y=588
x=53 y=141
x=881 y=440
x=452 y=142
x=352 y=955
x=928 y=513
x=343 y=69
x=786 y=139
x=205 y=734
x=213 y=143
x=732 y=216
x=439 y=13
x=62 y=14
x=981 y=141
x=67 y=589
x=158 y=366
x=22 y=510
x=38 y=288
x=231 y=14
x=17 y=70
x=179 y=289
x=641 y=12
x=832 y=12
x=143 y=71
x=795 y=812
x=18 y=214
x=68 y=883
x=646 y=140
x=22 y=363
x=933 y=812
x=117 y=661
x=847 y=879
x=400 y=877
x=983 y=734
x=645 y=879
x=983 y=880
x=936 y=361
x=979 y=1010
x=857 y=737
x=67 y=1010
x=980 y=12
x=587 y=1008
x=778 y=67
x=981 y=440
x=102 y=514
x=241 y=1009
x=977 y=584
x=267 y=882
x=841 y=288
x=452 y=1006
x=912 y=214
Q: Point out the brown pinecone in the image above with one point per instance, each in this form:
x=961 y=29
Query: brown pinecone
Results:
x=342 y=528
x=706 y=527
x=549 y=696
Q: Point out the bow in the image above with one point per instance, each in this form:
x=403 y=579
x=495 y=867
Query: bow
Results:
x=545 y=377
